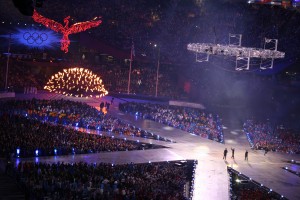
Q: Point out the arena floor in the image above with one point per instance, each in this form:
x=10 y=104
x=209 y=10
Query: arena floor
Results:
x=211 y=179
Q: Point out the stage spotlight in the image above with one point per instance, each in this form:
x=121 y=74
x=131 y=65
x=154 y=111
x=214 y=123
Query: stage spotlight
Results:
x=55 y=151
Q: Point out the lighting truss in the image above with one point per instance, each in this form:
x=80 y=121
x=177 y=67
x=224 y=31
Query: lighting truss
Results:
x=283 y=3
x=242 y=54
x=267 y=63
x=229 y=50
x=201 y=57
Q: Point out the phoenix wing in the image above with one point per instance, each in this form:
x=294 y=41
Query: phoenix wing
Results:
x=82 y=26
x=49 y=23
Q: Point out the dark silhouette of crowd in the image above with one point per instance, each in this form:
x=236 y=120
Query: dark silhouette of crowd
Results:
x=264 y=135
x=23 y=137
x=161 y=181
x=192 y=120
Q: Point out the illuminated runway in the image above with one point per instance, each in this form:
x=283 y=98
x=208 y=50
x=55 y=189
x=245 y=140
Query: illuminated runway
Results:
x=211 y=180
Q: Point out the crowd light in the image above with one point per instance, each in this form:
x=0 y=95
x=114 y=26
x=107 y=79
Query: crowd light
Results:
x=18 y=152
x=76 y=82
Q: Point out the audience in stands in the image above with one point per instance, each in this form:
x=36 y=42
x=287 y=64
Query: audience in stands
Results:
x=34 y=138
x=70 y=113
x=271 y=138
x=192 y=120
x=161 y=181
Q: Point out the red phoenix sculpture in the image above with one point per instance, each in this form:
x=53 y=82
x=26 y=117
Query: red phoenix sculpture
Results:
x=65 y=30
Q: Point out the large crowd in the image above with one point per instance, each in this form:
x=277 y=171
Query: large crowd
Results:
x=161 y=181
x=76 y=114
x=23 y=137
x=144 y=23
x=192 y=120
x=272 y=138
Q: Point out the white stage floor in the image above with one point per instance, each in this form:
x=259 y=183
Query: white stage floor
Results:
x=212 y=179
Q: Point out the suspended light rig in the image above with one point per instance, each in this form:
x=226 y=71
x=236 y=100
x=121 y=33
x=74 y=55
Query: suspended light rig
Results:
x=242 y=54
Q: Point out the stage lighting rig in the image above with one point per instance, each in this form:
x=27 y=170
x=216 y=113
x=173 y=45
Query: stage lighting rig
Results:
x=283 y=3
x=242 y=54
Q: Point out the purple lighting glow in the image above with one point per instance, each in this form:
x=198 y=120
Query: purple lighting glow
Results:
x=36 y=38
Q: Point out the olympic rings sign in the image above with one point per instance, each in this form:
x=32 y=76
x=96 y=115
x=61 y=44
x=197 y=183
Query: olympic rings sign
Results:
x=35 y=37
